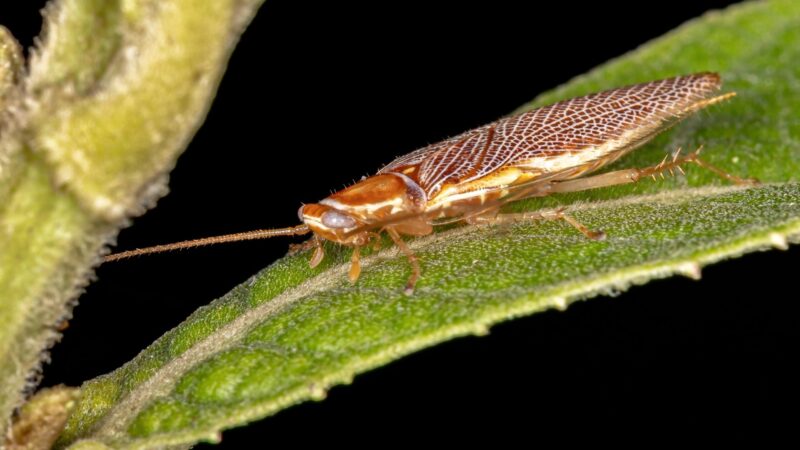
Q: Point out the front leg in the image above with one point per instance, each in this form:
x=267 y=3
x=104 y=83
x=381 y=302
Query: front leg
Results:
x=308 y=244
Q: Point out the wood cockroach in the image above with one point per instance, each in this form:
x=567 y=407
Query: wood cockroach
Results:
x=470 y=176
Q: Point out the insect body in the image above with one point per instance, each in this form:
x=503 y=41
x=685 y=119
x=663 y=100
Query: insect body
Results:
x=470 y=176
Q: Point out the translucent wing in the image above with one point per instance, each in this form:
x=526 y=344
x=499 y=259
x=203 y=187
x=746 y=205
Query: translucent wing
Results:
x=583 y=132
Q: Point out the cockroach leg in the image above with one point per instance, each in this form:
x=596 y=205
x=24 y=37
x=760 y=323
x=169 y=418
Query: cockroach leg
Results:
x=355 y=265
x=557 y=214
x=377 y=237
x=678 y=159
x=489 y=216
x=412 y=259
x=301 y=247
x=595 y=235
x=693 y=158
x=626 y=176
x=319 y=254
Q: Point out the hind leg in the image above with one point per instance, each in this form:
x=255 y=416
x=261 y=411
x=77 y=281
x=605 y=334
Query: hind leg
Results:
x=617 y=177
x=626 y=176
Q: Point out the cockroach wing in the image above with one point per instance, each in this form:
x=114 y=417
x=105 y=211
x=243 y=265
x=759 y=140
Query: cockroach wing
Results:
x=568 y=138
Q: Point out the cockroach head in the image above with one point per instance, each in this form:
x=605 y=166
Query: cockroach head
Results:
x=329 y=223
x=370 y=203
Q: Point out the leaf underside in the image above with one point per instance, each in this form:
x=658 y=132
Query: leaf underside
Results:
x=290 y=332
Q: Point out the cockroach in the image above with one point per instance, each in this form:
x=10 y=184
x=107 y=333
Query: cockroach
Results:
x=469 y=177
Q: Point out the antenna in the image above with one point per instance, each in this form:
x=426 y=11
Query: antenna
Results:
x=213 y=240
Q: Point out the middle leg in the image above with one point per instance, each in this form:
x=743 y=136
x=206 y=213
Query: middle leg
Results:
x=412 y=259
x=557 y=214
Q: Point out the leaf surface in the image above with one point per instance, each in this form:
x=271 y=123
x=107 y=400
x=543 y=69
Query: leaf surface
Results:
x=291 y=332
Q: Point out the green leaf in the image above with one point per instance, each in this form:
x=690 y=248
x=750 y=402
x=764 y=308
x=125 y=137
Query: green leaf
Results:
x=87 y=136
x=289 y=333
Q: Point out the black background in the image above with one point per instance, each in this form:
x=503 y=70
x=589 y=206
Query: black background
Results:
x=317 y=95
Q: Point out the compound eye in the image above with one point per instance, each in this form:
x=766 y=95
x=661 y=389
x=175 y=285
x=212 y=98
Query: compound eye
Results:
x=335 y=219
x=300 y=213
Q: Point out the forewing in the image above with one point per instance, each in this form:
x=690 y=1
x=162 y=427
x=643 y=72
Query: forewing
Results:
x=599 y=126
